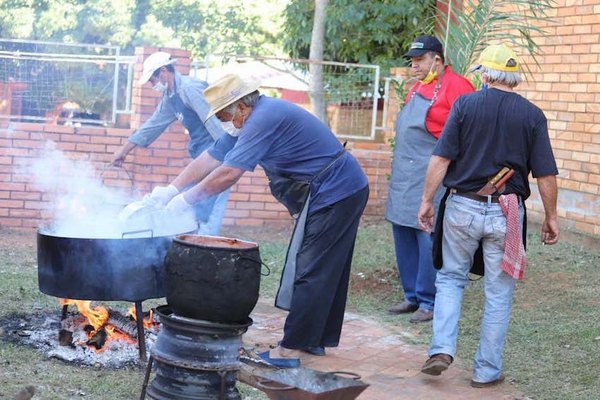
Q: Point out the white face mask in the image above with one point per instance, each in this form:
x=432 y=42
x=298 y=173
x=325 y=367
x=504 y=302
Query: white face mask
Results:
x=230 y=128
x=160 y=87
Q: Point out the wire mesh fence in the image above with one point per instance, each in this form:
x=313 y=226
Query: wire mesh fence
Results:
x=63 y=83
x=353 y=98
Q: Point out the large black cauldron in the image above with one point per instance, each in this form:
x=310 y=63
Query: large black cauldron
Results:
x=127 y=269
x=213 y=278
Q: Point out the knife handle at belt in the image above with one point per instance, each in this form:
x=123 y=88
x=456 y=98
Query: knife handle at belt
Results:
x=499 y=176
x=504 y=179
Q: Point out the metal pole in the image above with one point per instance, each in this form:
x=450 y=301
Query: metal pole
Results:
x=115 y=86
x=146 y=378
x=139 y=318
x=375 y=102
x=63 y=314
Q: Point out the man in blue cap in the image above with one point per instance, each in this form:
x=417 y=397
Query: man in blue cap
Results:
x=418 y=127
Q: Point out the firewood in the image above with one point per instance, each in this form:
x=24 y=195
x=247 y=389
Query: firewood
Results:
x=123 y=323
x=98 y=339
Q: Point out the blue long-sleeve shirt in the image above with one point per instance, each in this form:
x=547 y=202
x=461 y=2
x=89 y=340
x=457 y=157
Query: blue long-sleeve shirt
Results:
x=189 y=90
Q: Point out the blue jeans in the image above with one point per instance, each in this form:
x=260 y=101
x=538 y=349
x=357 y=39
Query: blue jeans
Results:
x=466 y=223
x=415 y=265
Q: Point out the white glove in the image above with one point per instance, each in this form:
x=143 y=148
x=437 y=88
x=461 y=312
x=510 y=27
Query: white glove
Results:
x=179 y=206
x=161 y=195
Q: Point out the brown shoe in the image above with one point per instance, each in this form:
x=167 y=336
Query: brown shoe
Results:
x=481 y=385
x=436 y=364
x=403 y=308
x=421 y=316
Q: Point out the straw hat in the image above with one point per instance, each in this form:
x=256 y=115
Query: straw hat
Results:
x=226 y=91
x=154 y=62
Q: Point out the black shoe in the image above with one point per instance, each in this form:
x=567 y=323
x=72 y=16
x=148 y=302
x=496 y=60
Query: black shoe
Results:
x=421 y=316
x=437 y=364
x=403 y=308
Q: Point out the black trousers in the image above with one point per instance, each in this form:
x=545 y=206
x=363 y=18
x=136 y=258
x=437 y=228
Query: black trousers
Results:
x=322 y=274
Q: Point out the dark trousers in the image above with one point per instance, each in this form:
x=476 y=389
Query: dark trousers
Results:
x=322 y=274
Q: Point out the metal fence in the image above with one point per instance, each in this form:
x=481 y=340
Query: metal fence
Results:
x=355 y=101
x=64 y=83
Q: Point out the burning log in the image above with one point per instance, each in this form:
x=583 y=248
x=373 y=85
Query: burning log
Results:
x=98 y=339
x=123 y=323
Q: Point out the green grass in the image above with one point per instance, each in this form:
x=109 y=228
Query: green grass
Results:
x=552 y=349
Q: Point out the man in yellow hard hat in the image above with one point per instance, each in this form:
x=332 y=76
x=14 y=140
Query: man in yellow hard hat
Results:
x=486 y=132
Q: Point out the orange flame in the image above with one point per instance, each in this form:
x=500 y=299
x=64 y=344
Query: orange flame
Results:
x=97 y=316
x=148 y=321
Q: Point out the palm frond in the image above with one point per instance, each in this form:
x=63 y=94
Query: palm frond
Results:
x=475 y=24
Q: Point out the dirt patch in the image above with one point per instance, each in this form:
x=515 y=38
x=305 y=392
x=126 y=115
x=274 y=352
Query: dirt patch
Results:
x=24 y=239
x=280 y=231
x=377 y=280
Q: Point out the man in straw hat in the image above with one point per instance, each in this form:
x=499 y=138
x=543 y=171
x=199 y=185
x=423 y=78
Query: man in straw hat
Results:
x=182 y=100
x=320 y=183
x=486 y=132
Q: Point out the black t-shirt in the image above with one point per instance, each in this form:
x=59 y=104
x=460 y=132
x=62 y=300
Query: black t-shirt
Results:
x=490 y=129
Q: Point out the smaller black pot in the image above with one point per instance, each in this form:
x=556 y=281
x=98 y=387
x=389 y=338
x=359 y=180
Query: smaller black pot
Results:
x=212 y=278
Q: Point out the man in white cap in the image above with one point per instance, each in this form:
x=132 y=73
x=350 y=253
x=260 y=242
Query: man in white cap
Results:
x=320 y=183
x=182 y=100
x=486 y=132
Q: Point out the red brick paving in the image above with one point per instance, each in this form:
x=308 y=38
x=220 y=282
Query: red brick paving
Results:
x=381 y=357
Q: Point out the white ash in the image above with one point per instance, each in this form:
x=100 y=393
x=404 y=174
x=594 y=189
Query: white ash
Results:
x=115 y=354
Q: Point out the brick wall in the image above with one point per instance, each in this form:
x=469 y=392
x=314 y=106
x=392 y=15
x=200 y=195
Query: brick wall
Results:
x=567 y=87
x=22 y=204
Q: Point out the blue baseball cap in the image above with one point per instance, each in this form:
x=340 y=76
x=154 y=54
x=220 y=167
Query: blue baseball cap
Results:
x=423 y=44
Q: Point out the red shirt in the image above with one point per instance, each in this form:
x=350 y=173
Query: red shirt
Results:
x=453 y=86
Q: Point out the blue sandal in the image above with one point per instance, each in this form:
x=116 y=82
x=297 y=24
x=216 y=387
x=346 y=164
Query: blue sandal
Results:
x=280 y=362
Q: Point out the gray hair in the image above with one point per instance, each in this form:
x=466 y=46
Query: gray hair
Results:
x=249 y=100
x=510 y=79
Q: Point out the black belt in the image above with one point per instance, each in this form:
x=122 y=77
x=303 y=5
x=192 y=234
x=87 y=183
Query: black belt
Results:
x=478 y=197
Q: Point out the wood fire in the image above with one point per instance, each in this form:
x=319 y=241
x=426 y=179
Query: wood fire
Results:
x=103 y=325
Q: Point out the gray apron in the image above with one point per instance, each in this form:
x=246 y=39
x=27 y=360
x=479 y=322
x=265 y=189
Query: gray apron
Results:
x=412 y=151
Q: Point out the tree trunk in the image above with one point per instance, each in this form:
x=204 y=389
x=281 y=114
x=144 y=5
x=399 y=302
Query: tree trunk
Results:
x=315 y=89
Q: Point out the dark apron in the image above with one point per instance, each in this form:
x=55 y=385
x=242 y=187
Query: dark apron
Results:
x=295 y=196
x=200 y=140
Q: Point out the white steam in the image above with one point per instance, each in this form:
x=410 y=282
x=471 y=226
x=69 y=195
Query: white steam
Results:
x=83 y=207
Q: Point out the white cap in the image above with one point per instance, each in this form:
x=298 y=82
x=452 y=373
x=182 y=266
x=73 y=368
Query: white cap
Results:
x=154 y=62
